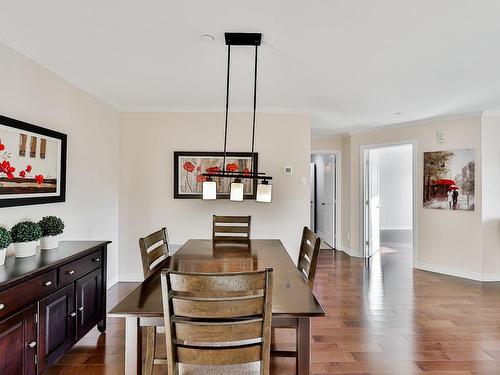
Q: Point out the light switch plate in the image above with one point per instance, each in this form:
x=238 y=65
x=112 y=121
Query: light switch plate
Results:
x=303 y=181
x=287 y=170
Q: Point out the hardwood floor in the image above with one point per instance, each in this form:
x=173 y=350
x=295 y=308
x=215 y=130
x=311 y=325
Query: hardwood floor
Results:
x=383 y=318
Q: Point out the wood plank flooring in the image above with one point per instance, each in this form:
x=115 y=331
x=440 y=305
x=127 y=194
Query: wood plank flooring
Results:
x=383 y=318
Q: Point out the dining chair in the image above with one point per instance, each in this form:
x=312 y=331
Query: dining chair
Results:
x=217 y=323
x=154 y=255
x=308 y=259
x=231 y=228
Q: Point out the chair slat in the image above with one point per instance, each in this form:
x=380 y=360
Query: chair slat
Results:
x=219 y=357
x=240 y=231
x=232 y=219
x=217 y=309
x=154 y=238
x=304 y=265
x=233 y=229
x=156 y=253
x=218 y=331
x=207 y=283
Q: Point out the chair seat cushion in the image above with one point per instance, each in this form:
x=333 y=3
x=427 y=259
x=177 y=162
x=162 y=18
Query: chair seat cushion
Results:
x=244 y=369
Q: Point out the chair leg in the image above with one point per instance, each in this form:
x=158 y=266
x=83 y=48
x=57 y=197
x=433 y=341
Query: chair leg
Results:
x=150 y=350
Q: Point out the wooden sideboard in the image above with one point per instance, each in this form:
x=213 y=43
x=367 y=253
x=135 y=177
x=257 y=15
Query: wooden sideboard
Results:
x=48 y=302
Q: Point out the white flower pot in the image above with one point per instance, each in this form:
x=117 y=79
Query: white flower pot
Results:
x=25 y=249
x=49 y=242
x=3 y=253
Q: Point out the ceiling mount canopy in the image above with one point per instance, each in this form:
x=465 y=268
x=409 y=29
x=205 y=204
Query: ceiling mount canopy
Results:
x=209 y=187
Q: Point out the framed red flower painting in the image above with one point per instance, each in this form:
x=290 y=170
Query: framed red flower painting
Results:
x=32 y=164
x=189 y=168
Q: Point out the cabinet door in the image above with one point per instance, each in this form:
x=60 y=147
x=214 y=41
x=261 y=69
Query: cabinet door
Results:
x=57 y=325
x=18 y=343
x=88 y=302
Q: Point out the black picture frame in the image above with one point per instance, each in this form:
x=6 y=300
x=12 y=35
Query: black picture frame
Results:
x=178 y=154
x=25 y=201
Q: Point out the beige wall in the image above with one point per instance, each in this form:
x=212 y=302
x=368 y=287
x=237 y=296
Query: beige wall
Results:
x=448 y=242
x=31 y=93
x=147 y=144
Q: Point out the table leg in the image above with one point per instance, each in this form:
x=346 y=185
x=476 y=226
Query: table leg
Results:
x=133 y=347
x=304 y=346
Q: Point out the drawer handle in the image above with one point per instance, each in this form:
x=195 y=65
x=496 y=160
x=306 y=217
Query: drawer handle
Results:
x=96 y=260
x=47 y=283
x=70 y=272
x=32 y=344
x=80 y=308
x=73 y=314
x=2 y=306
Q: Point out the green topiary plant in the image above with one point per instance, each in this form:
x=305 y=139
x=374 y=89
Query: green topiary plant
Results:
x=51 y=226
x=26 y=231
x=5 y=238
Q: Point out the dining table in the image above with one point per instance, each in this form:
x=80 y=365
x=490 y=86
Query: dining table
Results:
x=293 y=305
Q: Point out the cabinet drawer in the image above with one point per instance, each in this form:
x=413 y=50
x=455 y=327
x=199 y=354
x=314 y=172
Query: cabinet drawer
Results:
x=23 y=294
x=77 y=268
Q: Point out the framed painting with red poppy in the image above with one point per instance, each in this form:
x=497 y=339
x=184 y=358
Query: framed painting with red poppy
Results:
x=32 y=164
x=190 y=166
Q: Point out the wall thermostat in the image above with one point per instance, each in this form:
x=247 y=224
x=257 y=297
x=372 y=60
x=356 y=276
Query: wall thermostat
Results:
x=287 y=170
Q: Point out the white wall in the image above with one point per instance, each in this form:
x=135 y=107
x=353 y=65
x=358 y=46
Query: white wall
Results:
x=490 y=135
x=31 y=93
x=147 y=144
x=395 y=187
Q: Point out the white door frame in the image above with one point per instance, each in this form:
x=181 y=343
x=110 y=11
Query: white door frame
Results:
x=338 y=194
x=363 y=153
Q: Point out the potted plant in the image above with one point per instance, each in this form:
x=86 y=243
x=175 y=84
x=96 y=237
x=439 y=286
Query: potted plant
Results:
x=5 y=241
x=51 y=227
x=25 y=236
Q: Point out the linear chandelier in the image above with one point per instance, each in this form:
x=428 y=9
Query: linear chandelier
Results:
x=264 y=190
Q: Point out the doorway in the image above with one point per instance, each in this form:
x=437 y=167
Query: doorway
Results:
x=324 y=189
x=388 y=198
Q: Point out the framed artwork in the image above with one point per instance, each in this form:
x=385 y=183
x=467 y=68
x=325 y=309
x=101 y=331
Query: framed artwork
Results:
x=189 y=167
x=449 y=180
x=32 y=164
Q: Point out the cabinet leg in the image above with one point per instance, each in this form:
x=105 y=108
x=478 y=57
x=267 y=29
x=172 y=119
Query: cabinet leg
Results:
x=101 y=326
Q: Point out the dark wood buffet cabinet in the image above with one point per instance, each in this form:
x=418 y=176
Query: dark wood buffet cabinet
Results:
x=48 y=302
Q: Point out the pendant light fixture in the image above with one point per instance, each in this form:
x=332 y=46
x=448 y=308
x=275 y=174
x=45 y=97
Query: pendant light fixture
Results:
x=237 y=186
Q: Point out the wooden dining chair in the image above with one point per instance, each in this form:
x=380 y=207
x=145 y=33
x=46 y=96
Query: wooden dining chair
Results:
x=308 y=255
x=217 y=323
x=154 y=255
x=231 y=228
x=308 y=259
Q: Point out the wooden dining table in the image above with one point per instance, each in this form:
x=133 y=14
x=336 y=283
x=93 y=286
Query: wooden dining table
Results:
x=294 y=304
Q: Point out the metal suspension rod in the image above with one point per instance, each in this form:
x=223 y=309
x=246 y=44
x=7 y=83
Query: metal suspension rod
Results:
x=227 y=105
x=254 y=108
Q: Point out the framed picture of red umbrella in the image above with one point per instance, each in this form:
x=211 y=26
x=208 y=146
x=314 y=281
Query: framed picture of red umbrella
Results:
x=189 y=167
x=449 y=180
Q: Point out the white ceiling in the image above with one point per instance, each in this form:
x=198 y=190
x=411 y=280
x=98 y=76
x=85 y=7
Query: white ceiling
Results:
x=351 y=63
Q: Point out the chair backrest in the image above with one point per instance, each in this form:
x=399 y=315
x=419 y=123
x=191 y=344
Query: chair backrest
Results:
x=231 y=228
x=217 y=319
x=151 y=255
x=308 y=255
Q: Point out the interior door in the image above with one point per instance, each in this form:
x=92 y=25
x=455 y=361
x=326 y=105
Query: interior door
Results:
x=313 y=198
x=372 y=200
x=88 y=302
x=18 y=343
x=329 y=203
x=57 y=325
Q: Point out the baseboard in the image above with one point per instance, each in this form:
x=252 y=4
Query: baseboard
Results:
x=476 y=276
x=130 y=278
x=396 y=244
x=349 y=252
x=112 y=282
